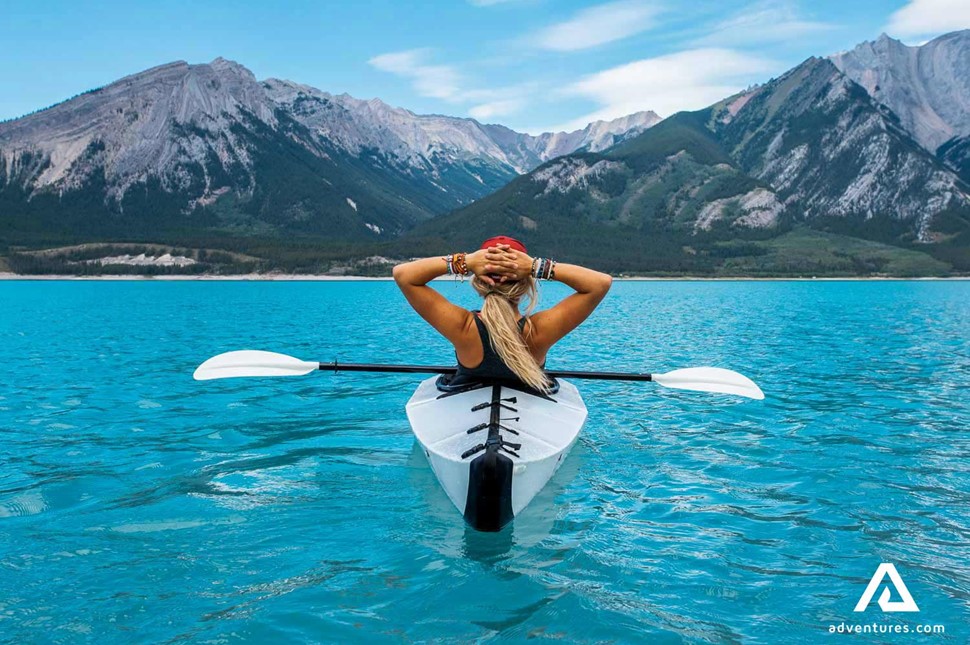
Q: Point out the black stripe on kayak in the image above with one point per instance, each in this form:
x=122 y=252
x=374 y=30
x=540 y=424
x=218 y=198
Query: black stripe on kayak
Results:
x=488 y=506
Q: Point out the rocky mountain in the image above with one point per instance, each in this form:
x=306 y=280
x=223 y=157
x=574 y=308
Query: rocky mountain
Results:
x=208 y=147
x=955 y=153
x=927 y=87
x=826 y=146
x=810 y=148
x=639 y=204
x=527 y=151
x=411 y=139
x=854 y=164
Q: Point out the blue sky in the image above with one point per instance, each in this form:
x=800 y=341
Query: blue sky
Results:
x=533 y=65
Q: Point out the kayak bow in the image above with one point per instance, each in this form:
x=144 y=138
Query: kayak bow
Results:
x=494 y=446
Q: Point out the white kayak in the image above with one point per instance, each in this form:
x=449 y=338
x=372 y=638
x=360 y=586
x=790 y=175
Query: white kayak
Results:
x=493 y=447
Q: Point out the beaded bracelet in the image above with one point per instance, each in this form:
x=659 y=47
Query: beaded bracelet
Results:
x=543 y=269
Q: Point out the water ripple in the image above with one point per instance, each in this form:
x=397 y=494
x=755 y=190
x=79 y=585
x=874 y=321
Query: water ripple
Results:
x=135 y=501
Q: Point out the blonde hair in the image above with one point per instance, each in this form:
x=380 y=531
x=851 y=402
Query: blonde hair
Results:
x=500 y=315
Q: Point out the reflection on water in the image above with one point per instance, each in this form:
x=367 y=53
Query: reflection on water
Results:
x=134 y=500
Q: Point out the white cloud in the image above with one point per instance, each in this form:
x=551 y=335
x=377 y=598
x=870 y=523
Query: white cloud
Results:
x=445 y=82
x=767 y=21
x=492 y=109
x=929 y=17
x=598 y=25
x=687 y=80
x=435 y=81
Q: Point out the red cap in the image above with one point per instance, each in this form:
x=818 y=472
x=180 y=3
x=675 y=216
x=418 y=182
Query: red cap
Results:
x=504 y=239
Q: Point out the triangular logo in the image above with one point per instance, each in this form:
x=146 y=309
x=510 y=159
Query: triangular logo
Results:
x=906 y=604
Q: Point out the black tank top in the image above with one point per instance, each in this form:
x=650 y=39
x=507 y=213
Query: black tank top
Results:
x=491 y=367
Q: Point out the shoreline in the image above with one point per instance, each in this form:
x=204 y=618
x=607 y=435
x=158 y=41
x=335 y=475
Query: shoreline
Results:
x=290 y=277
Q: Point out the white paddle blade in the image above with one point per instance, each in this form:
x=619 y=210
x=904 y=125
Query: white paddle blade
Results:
x=252 y=362
x=710 y=379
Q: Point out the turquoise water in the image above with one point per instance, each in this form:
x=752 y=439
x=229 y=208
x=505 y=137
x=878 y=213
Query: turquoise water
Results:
x=137 y=505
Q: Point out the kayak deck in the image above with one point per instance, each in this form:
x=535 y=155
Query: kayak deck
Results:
x=493 y=446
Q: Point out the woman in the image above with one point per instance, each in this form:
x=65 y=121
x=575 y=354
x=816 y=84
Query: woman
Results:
x=500 y=342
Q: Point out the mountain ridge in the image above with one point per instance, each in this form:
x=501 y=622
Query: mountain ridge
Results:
x=189 y=135
x=812 y=172
x=810 y=148
x=926 y=85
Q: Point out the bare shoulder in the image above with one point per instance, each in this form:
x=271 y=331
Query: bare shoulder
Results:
x=468 y=328
x=535 y=332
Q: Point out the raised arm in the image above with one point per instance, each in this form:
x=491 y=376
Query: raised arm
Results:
x=552 y=324
x=557 y=321
x=413 y=277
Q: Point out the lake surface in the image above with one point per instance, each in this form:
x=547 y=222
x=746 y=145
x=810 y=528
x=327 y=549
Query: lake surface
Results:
x=137 y=505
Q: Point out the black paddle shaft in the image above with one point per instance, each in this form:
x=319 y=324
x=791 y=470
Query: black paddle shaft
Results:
x=443 y=369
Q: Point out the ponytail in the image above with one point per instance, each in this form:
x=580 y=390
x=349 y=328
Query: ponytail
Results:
x=500 y=315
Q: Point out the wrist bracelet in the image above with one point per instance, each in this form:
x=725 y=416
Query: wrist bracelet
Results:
x=457 y=265
x=543 y=269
